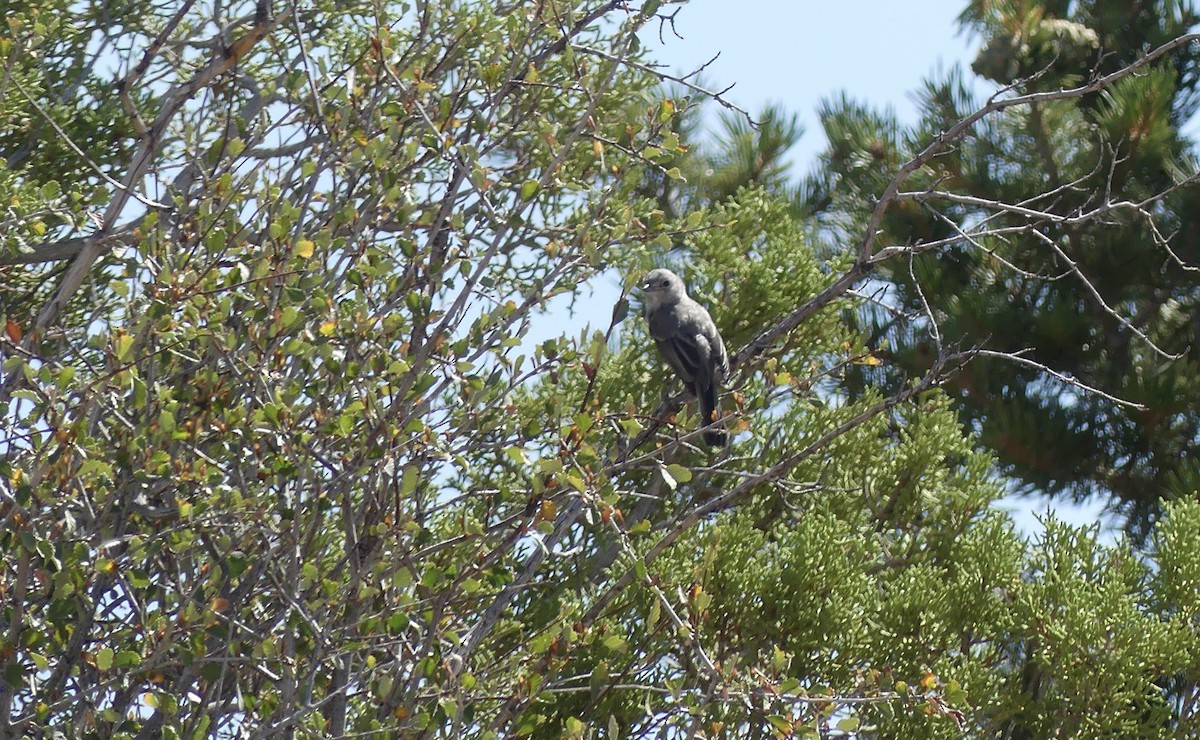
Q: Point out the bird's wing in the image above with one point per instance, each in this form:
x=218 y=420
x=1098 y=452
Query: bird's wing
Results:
x=693 y=354
x=688 y=340
x=720 y=359
x=666 y=348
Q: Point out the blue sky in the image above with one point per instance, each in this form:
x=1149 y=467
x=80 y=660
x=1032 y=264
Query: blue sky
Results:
x=800 y=53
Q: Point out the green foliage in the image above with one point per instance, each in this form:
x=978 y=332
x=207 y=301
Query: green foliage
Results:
x=696 y=170
x=1105 y=643
x=293 y=463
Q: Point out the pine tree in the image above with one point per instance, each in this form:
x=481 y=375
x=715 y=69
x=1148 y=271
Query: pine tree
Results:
x=1085 y=255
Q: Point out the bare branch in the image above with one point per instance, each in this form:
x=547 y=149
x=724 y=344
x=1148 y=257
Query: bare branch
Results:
x=1019 y=358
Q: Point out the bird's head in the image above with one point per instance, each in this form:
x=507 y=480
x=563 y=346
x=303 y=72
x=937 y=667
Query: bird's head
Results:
x=662 y=288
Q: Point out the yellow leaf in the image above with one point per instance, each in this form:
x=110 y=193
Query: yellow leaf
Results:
x=123 y=343
x=304 y=248
x=327 y=328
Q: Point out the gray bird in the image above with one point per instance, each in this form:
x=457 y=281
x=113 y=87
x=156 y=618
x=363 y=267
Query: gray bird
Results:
x=688 y=340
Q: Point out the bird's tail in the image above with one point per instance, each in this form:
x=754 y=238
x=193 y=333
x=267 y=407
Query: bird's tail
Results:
x=714 y=436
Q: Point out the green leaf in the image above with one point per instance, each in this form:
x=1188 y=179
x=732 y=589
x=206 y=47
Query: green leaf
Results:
x=121 y=346
x=584 y=422
x=848 y=724
x=679 y=473
x=620 y=311
x=667 y=477
x=128 y=659
x=408 y=481
x=780 y=723
x=529 y=189
x=779 y=659
x=290 y=316
x=630 y=426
